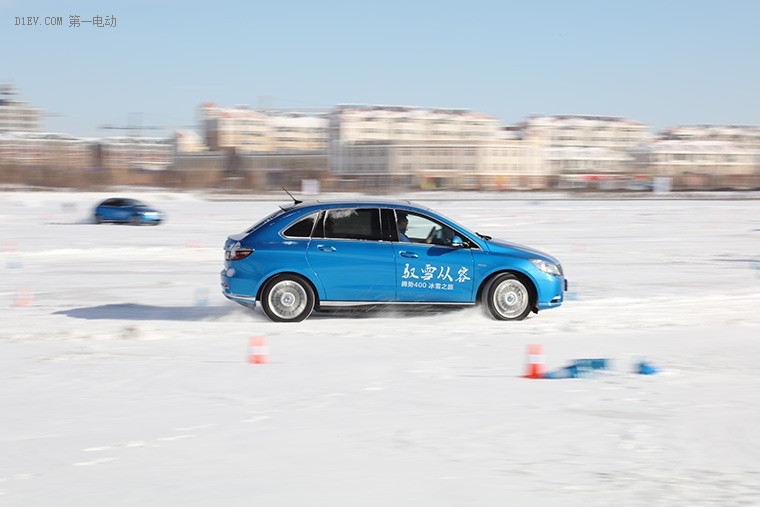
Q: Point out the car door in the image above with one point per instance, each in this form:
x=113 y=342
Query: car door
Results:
x=111 y=209
x=351 y=260
x=124 y=210
x=429 y=265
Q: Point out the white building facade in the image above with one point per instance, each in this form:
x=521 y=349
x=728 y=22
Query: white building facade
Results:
x=745 y=136
x=409 y=147
x=587 y=131
x=247 y=130
x=581 y=150
x=699 y=164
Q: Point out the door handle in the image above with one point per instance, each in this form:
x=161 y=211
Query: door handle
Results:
x=326 y=248
x=409 y=255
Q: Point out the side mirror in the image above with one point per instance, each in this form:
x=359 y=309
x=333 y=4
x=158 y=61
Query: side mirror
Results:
x=456 y=242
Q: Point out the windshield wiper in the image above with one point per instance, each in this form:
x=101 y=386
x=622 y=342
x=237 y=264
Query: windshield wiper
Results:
x=483 y=236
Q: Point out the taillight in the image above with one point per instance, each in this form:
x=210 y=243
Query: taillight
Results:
x=237 y=254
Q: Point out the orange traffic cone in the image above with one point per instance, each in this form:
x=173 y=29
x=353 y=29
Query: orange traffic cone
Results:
x=258 y=353
x=536 y=366
x=9 y=246
x=24 y=297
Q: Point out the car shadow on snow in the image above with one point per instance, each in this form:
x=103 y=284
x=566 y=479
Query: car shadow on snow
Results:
x=132 y=311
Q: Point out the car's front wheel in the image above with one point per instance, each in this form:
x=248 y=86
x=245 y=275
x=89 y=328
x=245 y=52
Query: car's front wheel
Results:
x=287 y=298
x=508 y=297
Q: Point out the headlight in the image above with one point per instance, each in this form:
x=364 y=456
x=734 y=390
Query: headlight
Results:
x=547 y=267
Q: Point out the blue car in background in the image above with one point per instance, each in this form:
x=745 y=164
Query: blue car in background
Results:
x=317 y=255
x=125 y=210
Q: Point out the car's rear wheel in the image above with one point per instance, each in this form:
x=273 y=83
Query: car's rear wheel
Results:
x=287 y=298
x=508 y=297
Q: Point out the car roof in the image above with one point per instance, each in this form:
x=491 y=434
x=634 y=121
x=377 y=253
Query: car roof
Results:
x=361 y=202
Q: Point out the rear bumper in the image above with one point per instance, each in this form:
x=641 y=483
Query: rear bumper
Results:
x=229 y=292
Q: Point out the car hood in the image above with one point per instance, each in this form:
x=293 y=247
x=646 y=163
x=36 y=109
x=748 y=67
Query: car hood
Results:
x=505 y=247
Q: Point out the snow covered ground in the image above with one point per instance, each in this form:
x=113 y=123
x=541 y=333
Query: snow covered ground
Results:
x=124 y=377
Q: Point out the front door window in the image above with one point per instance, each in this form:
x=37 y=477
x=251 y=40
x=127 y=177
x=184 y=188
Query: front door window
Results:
x=430 y=266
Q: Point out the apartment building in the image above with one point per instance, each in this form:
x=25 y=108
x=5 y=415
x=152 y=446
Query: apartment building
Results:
x=586 y=149
x=587 y=131
x=583 y=161
x=744 y=136
x=39 y=149
x=136 y=154
x=39 y=158
x=247 y=130
x=16 y=115
x=699 y=164
x=188 y=141
x=409 y=147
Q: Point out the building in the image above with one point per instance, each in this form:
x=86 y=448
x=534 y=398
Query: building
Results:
x=187 y=141
x=586 y=150
x=246 y=130
x=403 y=147
x=16 y=115
x=697 y=164
x=46 y=159
x=748 y=137
x=587 y=131
x=135 y=154
x=597 y=168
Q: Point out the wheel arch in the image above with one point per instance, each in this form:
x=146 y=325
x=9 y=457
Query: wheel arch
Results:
x=304 y=277
x=527 y=280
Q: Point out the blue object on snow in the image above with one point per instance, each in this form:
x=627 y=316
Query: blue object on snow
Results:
x=580 y=368
x=566 y=372
x=647 y=369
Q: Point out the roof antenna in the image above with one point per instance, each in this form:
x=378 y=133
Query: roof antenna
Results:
x=295 y=201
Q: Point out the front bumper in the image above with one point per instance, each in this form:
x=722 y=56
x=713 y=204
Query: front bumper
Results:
x=557 y=293
x=150 y=219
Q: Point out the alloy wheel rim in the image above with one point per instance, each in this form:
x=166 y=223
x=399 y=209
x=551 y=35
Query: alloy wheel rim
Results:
x=510 y=298
x=287 y=299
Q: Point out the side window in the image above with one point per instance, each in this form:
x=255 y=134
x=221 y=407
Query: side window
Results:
x=359 y=223
x=302 y=228
x=416 y=228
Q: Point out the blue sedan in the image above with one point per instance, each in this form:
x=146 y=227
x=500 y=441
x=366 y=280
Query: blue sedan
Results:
x=317 y=255
x=123 y=210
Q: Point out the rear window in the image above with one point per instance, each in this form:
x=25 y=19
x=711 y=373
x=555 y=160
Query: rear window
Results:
x=361 y=223
x=265 y=220
x=302 y=228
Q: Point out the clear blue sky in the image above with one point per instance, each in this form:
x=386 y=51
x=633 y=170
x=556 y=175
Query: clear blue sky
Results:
x=662 y=63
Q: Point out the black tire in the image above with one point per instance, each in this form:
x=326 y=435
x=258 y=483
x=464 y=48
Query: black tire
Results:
x=508 y=297
x=134 y=220
x=98 y=219
x=287 y=298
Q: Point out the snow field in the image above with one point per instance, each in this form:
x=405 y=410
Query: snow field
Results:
x=124 y=376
